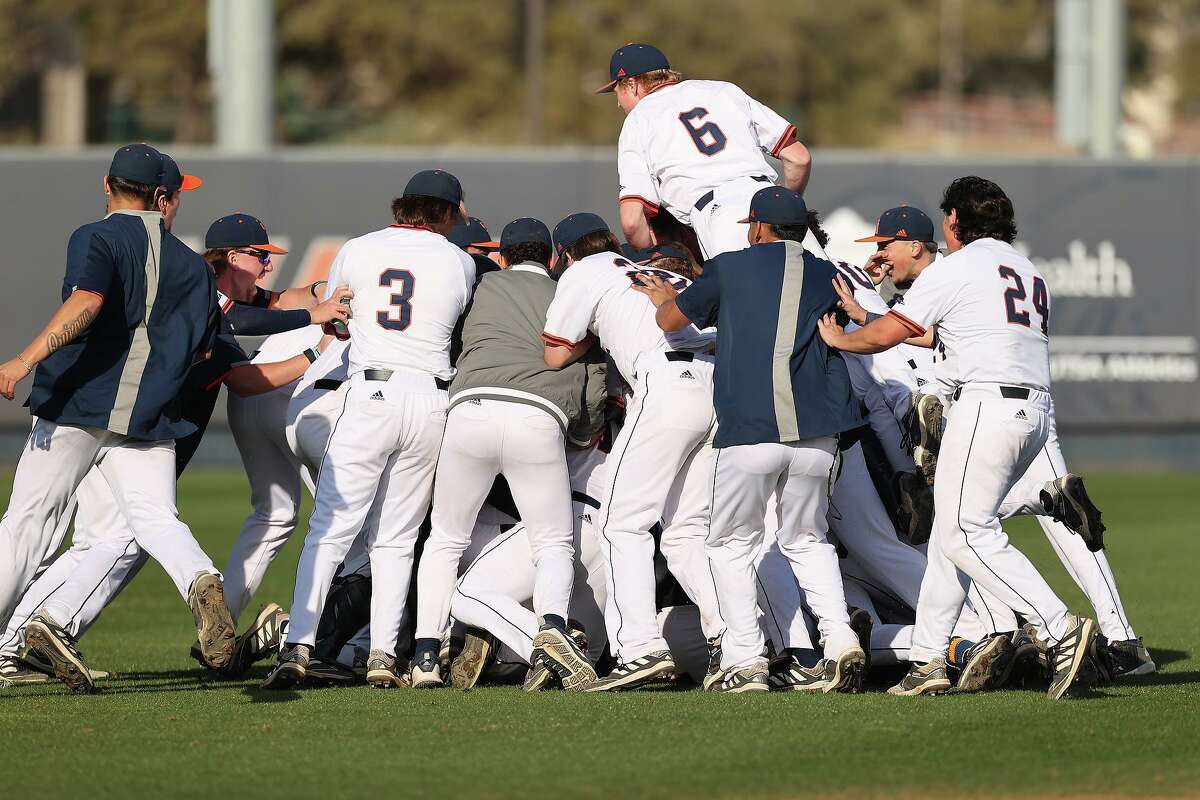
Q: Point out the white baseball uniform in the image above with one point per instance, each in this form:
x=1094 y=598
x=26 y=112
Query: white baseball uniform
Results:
x=661 y=460
x=991 y=307
x=695 y=148
x=410 y=288
x=258 y=425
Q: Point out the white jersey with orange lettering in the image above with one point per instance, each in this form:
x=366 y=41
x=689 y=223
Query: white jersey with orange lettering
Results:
x=596 y=294
x=409 y=281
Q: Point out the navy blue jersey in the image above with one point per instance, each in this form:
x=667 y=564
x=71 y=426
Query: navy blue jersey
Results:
x=776 y=381
x=125 y=372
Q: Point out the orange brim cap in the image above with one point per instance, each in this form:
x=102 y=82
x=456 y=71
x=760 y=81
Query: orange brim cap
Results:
x=268 y=248
x=190 y=182
x=876 y=238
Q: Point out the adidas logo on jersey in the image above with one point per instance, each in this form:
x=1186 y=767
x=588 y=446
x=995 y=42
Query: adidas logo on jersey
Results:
x=687 y=373
x=377 y=396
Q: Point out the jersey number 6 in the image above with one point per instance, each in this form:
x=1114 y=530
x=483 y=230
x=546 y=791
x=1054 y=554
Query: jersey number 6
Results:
x=1041 y=300
x=398 y=315
x=717 y=141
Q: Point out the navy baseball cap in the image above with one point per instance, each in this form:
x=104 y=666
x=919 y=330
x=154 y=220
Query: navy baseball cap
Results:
x=906 y=223
x=137 y=162
x=630 y=60
x=435 y=183
x=525 y=230
x=472 y=233
x=574 y=228
x=777 y=205
x=175 y=181
x=240 y=230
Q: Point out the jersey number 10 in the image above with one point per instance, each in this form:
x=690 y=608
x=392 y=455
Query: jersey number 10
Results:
x=1015 y=294
x=398 y=315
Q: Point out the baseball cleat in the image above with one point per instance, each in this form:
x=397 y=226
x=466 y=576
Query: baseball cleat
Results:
x=751 y=678
x=15 y=672
x=214 y=626
x=714 y=673
x=33 y=661
x=927 y=434
x=539 y=676
x=259 y=641
x=987 y=664
x=330 y=673
x=787 y=675
x=45 y=637
x=923 y=679
x=915 y=505
x=861 y=623
x=476 y=653
x=425 y=673
x=291 y=668
x=1067 y=501
x=562 y=655
x=656 y=667
x=382 y=672
x=847 y=671
x=1068 y=655
x=1125 y=659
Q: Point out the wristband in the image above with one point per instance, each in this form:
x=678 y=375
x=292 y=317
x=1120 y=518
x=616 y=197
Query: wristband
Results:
x=313 y=289
x=312 y=354
x=28 y=367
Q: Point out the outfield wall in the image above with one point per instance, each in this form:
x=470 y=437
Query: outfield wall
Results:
x=1117 y=242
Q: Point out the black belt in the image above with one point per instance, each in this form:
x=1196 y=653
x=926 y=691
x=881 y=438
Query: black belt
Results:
x=586 y=499
x=386 y=374
x=1007 y=392
x=327 y=383
x=707 y=197
x=679 y=355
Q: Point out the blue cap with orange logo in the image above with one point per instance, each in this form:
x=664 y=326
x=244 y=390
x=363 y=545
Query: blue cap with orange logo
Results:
x=904 y=223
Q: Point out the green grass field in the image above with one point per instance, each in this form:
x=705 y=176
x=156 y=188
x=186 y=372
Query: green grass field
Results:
x=163 y=729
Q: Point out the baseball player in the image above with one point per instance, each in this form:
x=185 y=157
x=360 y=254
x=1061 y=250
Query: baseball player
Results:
x=694 y=148
x=105 y=556
x=662 y=456
x=991 y=307
x=782 y=401
x=473 y=237
x=102 y=396
x=410 y=287
x=509 y=415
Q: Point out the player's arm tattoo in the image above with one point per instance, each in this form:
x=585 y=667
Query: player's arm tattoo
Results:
x=69 y=330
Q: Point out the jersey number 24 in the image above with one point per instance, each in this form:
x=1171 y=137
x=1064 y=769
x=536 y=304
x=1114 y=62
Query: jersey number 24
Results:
x=398 y=315
x=1016 y=293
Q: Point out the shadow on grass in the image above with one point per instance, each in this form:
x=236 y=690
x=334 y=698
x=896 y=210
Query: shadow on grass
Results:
x=257 y=694
x=1162 y=656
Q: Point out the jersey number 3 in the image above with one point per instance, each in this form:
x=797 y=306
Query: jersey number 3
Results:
x=1013 y=294
x=708 y=138
x=398 y=315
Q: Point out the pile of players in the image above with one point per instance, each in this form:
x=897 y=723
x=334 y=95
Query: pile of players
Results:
x=710 y=454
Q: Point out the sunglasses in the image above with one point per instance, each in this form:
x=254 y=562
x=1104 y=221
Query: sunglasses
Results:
x=263 y=256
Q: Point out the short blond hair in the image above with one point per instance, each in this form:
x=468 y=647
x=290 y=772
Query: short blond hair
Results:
x=655 y=78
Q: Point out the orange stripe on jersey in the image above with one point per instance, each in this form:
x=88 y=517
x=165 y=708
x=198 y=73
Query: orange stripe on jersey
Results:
x=558 y=341
x=651 y=208
x=914 y=328
x=788 y=136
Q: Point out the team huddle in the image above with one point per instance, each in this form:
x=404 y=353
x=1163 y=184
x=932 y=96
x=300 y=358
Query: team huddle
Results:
x=710 y=455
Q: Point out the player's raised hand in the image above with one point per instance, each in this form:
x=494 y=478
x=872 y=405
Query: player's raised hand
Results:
x=831 y=332
x=846 y=300
x=658 y=290
x=12 y=372
x=335 y=308
x=876 y=266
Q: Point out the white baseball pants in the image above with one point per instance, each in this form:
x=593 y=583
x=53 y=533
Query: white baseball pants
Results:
x=141 y=476
x=382 y=452
x=485 y=438
x=718 y=225
x=1090 y=571
x=258 y=424
x=988 y=444
x=659 y=469
x=743 y=478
